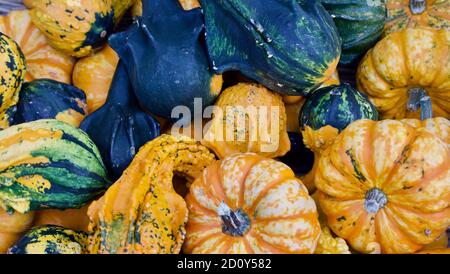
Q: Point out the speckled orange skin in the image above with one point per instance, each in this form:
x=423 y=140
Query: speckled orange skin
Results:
x=12 y=227
x=93 y=75
x=143 y=202
x=283 y=217
x=411 y=166
x=399 y=15
x=411 y=58
x=42 y=60
x=245 y=95
x=439 y=126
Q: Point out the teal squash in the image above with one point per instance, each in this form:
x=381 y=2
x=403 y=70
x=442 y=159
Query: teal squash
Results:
x=336 y=106
x=165 y=56
x=49 y=99
x=48 y=164
x=51 y=240
x=360 y=24
x=120 y=127
x=290 y=46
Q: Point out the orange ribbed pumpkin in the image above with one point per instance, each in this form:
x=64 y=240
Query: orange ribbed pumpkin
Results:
x=248 y=204
x=93 y=75
x=385 y=186
x=42 y=60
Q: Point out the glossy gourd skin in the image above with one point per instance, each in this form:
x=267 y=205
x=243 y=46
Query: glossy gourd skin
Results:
x=141 y=212
x=42 y=60
x=165 y=58
x=49 y=99
x=93 y=74
x=12 y=227
x=425 y=13
x=12 y=71
x=119 y=128
x=247 y=204
x=48 y=164
x=50 y=240
x=261 y=131
x=288 y=46
x=77 y=28
x=384 y=186
x=360 y=23
x=402 y=62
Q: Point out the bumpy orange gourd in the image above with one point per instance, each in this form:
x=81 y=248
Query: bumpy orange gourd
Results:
x=247 y=204
x=405 y=67
x=12 y=226
x=141 y=212
x=42 y=60
x=252 y=119
x=385 y=186
x=403 y=14
x=439 y=126
x=93 y=75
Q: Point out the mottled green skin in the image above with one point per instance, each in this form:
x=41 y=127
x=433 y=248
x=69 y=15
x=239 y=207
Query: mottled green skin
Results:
x=286 y=45
x=336 y=106
x=74 y=170
x=360 y=24
x=51 y=240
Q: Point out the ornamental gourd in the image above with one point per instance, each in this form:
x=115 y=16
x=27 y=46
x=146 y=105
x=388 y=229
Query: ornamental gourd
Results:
x=120 y=8
x=166 y=59
x=141 y=212
x=186 y=4
x=93 y=74
x=49 y=99
x=404 y=69
x=42 y=60
x=439 y=126
x=327 y=112
x=385 y=186
x=403 y=14
x=247 y=204
x=250 y=119
x=77 y=28
x=360 y=23
x=119 y=128
x=48 y=164
x=50 y=240
x=12 y=74
x=289 y=46
x=12 y=226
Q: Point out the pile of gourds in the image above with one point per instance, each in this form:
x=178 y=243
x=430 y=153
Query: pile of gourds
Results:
x=357 y=94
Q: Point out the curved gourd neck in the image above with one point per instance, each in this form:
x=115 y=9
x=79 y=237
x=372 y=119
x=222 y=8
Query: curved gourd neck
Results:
x=234 y=223
x=419 y=99
x=417 y=6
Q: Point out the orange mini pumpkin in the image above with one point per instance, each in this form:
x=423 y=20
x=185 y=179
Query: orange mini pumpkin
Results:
x=385 y=186
x=42 y=60
x=247 y=204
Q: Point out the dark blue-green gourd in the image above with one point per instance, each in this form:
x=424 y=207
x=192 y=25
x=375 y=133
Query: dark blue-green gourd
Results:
x=48 y=164
x=360 y=24
x=165 y=56
x=49 y=99
x=51 y=239
x=336 y=106
x=120 y=127
x=290 y=46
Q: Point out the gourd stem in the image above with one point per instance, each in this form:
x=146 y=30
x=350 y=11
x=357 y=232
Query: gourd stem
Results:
x=375 y=200
x=418 y=98
x=234 y=223
x=417 y=6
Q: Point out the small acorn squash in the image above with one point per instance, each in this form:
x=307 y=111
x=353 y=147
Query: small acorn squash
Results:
x=290 y=46
x=93 y=74
x=48 y=164
x=141 y=212
x=51 y=240
x=119 y=128
x=49 y=99
x=77 y=28
x=166 y=59
x=360 y=23
x=403 y=14
x=42 y=60
x=12 y=74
